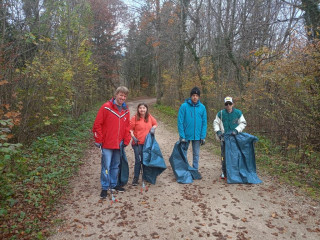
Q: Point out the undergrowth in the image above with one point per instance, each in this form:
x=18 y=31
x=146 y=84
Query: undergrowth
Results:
x=33 y=178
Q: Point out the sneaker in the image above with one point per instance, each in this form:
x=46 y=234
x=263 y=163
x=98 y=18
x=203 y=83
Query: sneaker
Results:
x=118 y=188
x=223 y=176
x=135 y=181
x=104 y=194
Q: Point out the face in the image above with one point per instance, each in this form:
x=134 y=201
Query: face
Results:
x=142 y=110
x=195 y=98
x=228 y=106
x=121 y=98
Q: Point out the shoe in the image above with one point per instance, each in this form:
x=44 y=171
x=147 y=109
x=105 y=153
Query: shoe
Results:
x=223 y=176
x=118 y=188
x=135 y=181
x=104 y=194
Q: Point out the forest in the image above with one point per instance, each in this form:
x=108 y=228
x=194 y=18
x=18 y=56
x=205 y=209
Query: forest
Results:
x=60 y=58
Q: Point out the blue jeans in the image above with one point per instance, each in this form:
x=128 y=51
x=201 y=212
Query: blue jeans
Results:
x=110 y=162
x=138 y=156
x=195 y=151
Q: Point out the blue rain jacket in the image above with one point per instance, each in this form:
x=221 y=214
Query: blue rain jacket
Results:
x=183 y=172
x=192 y=120
x=240 y=158
x=153 y=162
x=123 y=167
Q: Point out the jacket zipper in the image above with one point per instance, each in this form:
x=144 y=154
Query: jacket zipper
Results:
x=194 y=115
x=119 y=130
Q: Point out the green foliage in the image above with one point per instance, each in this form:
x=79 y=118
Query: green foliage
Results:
x=60 y=87
x=33 y=178
x=166 y=110
x=305 y=176
x=48 y=72
x=46 y=80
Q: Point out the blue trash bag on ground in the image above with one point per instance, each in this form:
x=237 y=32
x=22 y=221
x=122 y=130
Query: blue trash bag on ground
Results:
x=153 y=162
x=123 y=175
x=240 y=158
x=183 y=172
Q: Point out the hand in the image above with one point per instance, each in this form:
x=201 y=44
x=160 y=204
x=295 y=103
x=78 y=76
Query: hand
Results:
x=182 y=140
x=219 y=134
x=152 y=130
x=124 y=145
x=202 y=142
x=98 y=145
x=234 y=132
x=135 y=140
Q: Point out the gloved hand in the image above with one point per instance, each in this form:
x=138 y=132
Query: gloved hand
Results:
x=182 y=140
x=152 y=130
x=98 y=145
x=234 y=132
x=219 y=134
x=202 y=141
x=124 y=145
x=135 y=140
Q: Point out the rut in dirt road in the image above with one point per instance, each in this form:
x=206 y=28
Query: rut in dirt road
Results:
x=206 y=209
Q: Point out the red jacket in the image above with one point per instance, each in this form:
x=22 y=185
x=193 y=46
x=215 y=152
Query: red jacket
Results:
x=112 y=126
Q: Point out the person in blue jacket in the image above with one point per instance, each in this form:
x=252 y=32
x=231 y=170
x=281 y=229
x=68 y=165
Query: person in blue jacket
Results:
x=192 y=124
x=228 y=121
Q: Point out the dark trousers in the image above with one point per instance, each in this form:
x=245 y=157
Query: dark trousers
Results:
x=138 y=156
x=223 y=158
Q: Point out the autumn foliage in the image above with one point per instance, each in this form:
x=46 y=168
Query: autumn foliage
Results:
x=57 y=60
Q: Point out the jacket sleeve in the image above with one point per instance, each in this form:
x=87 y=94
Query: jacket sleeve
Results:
x=242 y=124
x=217 y=124
x=127 y=135
x=180 y=121
x=204 y=124
x=153 y=121
x=132 y=123
x=97 y=126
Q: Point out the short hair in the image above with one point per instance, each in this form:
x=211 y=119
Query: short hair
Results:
x=122 y=89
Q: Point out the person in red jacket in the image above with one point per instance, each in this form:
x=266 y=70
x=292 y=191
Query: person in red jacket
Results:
x=110 y=128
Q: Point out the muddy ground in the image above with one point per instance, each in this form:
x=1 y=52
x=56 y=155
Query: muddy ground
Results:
x=206 y=209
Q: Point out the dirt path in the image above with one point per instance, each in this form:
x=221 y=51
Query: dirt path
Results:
x=206 y=209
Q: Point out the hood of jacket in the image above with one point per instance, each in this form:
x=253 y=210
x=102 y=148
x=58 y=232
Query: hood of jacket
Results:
x=113 y=101
x=189 y=101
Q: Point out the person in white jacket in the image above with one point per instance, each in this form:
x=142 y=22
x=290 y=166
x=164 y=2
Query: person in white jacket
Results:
x=228 y=121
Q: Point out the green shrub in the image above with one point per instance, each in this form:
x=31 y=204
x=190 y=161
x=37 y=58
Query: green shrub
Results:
x=32 y=178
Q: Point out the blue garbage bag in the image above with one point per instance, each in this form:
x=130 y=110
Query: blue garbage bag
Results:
x=240 y=158
x=153 y=162
x=183 y=172
x=123 y=175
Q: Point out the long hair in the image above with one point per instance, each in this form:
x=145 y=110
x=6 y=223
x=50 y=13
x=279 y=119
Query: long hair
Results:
x=146 y=116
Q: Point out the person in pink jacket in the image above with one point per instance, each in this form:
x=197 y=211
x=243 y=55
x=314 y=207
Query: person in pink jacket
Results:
x=110 y=128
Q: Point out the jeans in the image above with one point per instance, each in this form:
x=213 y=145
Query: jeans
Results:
x=110 y=162
x=195 y=151
x=138 y=156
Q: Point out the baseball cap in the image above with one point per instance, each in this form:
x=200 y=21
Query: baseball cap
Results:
x=228 y=99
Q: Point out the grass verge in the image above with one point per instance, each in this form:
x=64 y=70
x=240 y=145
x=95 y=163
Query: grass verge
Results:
x=34 y=178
